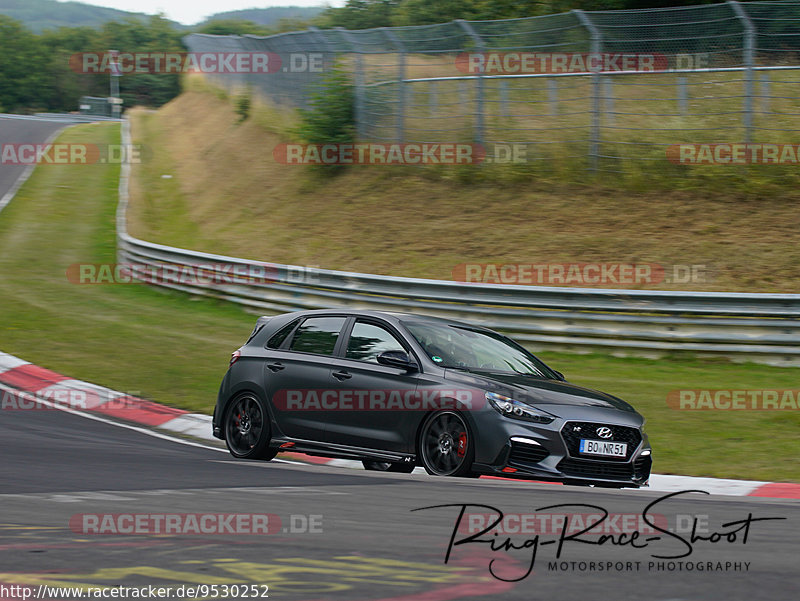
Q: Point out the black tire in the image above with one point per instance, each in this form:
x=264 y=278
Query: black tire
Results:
x=247 y=429
x=386 y=466
x=446 y=446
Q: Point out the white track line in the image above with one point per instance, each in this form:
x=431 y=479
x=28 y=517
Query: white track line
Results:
x=34 y=399
x=9 y=196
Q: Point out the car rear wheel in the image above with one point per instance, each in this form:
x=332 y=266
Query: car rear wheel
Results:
x=247 y=429
x=386 y=466
x=446 y=445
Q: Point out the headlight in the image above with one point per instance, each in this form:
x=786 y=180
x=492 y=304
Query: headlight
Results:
x=517 y=410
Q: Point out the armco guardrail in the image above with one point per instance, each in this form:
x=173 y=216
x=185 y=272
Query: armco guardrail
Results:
x=757 y=327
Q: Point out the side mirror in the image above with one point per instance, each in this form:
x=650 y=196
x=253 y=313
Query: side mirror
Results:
x=398 y=359
x=560 y=376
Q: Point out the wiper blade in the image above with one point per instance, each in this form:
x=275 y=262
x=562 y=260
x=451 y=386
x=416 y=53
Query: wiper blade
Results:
x=490 y=370
x=537 y=374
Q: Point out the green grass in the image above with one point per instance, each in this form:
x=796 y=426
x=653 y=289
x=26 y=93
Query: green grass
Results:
x=174 y=349
x=128 y=337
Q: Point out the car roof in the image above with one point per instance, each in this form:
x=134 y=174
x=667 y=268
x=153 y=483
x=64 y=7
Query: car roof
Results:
x=386 y=315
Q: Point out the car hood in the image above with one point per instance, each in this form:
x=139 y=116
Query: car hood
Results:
x=538 y=391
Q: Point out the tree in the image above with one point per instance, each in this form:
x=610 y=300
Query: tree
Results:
x=361 y=14
x=233 y=27
x=36 y=72
x=21 y=66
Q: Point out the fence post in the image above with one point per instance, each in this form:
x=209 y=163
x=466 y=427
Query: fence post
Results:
x=401 y=85
x=552 y=95
x=594 y=145
x=608 y=99
x=480 y=47
x=749 y=46
x=504 y=97
x=359 y=83
x=683 y=96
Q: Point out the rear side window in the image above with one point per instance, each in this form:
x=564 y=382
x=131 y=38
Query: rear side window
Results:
x=278 y=338
x=317 y=335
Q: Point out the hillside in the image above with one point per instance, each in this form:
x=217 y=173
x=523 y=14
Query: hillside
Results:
x=269 y=16
x=38 y=15
x=228 y=195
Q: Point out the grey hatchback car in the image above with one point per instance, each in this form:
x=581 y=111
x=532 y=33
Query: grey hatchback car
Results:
x=398 y=390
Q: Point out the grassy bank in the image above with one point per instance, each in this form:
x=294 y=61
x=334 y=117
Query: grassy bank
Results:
x=228 y=195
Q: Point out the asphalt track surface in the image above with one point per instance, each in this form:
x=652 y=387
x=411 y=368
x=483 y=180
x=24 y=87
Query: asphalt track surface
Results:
x=22 y=131
x=343 y=534
x=367 y=542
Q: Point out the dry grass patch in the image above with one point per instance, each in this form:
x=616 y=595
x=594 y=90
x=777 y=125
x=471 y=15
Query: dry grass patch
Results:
x=229 y=196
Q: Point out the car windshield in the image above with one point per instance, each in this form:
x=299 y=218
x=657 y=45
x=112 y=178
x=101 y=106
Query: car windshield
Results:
x=471 y=349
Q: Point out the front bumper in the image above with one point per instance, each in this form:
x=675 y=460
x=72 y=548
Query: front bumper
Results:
x=550 y=452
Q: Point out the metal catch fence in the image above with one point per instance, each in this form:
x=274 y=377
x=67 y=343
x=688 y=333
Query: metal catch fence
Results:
x=599 y=87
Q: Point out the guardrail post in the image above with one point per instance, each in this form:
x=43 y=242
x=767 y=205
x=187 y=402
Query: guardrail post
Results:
x=749 y=59
x=594 y=143
x=480 y=46
x=401 y=84
x=359 y=83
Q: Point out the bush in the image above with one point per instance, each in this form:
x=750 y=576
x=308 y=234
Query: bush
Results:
x=330 y=118
x=242 y=105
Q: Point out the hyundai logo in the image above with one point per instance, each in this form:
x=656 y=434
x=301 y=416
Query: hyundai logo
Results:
x=604 y=432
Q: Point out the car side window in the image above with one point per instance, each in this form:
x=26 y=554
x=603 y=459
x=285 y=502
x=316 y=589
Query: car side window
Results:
x=367 y=341
x=278 y=338
x=317 y=335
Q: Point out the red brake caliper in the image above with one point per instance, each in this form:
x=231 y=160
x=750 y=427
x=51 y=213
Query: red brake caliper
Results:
x=462 y=444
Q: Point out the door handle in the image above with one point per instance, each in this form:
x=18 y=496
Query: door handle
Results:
x=342 y=375
x=276 y=366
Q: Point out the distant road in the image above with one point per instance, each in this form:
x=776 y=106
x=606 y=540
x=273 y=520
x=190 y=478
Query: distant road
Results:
x=21 y=131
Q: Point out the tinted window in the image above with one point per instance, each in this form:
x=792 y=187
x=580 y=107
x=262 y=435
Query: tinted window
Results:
x=278 y=338
x=474 y=349
x=367 y=341
x=317 y=335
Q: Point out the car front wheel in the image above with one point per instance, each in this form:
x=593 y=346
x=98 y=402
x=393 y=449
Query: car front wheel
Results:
x=446 y=445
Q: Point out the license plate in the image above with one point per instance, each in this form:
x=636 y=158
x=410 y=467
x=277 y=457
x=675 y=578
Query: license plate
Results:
x=602 y=447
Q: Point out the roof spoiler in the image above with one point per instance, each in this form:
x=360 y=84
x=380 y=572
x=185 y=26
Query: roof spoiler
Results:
x=260 y=323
